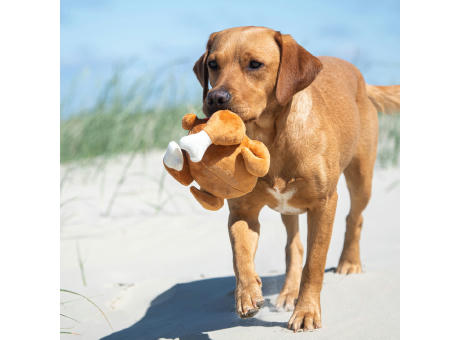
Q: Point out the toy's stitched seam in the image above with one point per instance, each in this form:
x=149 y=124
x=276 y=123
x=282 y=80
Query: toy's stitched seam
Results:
x=225 y=182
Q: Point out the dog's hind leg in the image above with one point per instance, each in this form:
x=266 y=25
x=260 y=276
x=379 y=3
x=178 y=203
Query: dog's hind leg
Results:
x=294 y=254
x=358 y=176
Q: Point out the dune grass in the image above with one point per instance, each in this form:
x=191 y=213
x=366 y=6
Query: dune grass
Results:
x=110 y=133
x=125 y=118
x=146 y=115
x=389 y=141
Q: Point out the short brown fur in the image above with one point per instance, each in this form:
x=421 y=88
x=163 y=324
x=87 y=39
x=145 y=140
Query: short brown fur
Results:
x=318 y=118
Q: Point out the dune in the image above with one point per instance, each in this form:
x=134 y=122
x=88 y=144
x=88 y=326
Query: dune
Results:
x=160 y=267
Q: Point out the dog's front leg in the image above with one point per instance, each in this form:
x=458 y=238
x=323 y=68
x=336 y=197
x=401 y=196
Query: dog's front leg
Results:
x=307 y=312
x=244 y=227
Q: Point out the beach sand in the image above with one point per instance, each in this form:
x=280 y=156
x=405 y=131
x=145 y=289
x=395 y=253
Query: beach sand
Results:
x=136 y=243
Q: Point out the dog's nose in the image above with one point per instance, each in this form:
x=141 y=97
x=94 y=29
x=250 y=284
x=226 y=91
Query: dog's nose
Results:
x=217 y=100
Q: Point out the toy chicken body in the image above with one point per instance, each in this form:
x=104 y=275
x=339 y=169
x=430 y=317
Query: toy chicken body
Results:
x=219 y=156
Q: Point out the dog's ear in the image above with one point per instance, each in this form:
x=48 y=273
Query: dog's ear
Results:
x=298 y=68
x=201 y=67
x=201 y=70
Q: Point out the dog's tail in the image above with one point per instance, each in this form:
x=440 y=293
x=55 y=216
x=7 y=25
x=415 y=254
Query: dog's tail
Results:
x=384 y=98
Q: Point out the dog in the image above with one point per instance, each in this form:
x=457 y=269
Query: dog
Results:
x=318 y=119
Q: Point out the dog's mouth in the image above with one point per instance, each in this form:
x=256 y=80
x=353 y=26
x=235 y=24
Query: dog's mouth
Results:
x=241 y=111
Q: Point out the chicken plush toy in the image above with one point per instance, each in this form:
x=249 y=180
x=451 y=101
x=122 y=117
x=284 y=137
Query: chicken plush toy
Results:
x=219 y=156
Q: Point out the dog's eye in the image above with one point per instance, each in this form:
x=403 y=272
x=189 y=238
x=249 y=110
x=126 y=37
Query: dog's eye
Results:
x=212 y=64
x=253 y=65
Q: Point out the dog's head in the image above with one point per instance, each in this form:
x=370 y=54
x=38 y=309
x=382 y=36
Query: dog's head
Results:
x=250 y=68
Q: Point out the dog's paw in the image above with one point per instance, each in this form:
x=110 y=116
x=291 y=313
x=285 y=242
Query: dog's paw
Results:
x=173 y=157
x=349 y=267
x=195 y=145
x=248 y=298
x=305 y=317
x=287 y=299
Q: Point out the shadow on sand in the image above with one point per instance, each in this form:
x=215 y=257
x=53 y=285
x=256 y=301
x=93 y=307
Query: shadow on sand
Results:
x=189 y=310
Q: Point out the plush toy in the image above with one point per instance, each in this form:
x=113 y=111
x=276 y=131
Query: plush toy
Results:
x=219 y=156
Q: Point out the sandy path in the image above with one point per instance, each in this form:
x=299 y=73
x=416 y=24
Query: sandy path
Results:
x=160 y=266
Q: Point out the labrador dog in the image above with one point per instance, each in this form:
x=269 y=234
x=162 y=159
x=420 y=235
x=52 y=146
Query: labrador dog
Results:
x=318 y=118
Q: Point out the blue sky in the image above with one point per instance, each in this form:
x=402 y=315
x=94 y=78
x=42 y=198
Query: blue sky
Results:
x=96 y=35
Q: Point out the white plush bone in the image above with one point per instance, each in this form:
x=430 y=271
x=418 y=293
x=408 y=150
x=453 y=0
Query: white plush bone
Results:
x=196 y=145
x=173 y=157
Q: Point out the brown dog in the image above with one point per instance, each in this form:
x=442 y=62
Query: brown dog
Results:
x=318 y=118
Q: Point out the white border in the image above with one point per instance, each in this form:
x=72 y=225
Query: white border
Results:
x=430 y=169
x=29 y=180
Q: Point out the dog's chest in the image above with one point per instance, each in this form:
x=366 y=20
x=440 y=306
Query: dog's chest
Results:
x=283 y=197
x=283 y=204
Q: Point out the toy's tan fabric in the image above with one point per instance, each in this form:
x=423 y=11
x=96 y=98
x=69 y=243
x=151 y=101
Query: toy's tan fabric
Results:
x=225 y=128
x=229 y=167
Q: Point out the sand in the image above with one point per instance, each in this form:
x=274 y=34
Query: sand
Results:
x=160 y=266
